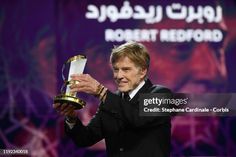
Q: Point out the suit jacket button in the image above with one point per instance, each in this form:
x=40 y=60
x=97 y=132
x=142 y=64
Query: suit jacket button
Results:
x=121 y=149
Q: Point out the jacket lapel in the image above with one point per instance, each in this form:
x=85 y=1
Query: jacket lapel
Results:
x=148 y=84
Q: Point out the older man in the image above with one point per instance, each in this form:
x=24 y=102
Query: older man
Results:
x=126 y=133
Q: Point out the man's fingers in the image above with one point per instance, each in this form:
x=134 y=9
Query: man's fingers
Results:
x=65 y=109
x=78 y=85
x=56 y=105
x=86 y=84
x=70 y=107
x=69 y=112
x=64 y=106
x=82 y=89
x=81 y=77
x=74 y=76
x=82 y=86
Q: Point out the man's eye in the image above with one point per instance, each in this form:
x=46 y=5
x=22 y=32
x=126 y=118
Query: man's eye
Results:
x=115 y=70
x=126 y=69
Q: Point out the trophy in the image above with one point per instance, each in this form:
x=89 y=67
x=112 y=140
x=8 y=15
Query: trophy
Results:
x=75 y=65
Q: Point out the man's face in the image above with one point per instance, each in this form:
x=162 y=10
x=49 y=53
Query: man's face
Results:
x=127 y=75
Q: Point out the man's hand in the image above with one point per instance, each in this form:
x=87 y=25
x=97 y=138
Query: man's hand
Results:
x=65 y=110
x=86 y=84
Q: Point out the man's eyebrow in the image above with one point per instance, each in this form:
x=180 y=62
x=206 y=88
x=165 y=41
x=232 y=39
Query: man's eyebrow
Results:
x=125 y=67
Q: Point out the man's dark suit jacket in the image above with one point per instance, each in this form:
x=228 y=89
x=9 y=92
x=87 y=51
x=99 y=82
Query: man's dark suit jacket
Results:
x=126 y=133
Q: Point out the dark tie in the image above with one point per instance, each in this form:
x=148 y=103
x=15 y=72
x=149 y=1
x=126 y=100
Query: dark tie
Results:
x=126 y=96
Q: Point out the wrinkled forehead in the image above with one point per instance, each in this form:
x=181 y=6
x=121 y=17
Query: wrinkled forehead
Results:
x=124 y=61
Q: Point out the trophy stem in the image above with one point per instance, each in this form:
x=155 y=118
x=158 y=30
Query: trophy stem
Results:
x=76 y=66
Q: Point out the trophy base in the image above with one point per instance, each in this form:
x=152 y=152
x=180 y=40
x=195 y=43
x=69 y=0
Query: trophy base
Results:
x=77 y=102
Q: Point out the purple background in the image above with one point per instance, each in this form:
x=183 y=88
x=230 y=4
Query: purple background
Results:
x=37 y=37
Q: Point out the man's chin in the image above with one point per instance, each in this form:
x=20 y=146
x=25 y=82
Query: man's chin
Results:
x=123 y=89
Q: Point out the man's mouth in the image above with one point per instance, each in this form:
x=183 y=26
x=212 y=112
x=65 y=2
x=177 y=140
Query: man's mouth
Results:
x=122 y=83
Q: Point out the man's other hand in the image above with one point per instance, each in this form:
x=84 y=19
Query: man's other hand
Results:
x=65 y=109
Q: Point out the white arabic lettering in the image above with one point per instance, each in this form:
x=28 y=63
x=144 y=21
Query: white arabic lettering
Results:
x=154 y=14
x=175 y=11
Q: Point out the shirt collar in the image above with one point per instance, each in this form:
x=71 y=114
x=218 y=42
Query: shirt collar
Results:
x=133 y=92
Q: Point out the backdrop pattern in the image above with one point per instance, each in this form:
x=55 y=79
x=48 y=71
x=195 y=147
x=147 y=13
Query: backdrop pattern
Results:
x=37 y=37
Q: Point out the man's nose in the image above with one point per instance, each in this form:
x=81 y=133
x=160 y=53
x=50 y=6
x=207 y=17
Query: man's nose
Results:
x=205 y=65
x=119 y=74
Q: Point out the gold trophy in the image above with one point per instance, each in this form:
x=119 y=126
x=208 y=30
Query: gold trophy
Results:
x=75 y=65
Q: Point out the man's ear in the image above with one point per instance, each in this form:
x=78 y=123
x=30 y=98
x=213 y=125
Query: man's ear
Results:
x=143 y=72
